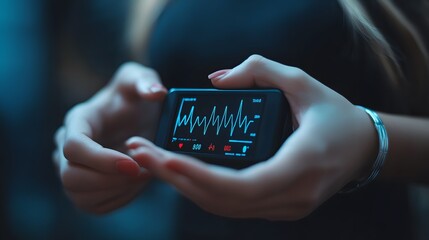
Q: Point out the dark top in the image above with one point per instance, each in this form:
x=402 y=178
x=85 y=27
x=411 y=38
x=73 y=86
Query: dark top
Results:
x=193 y=38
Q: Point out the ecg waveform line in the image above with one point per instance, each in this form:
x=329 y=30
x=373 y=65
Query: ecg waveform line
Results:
x=214 y=120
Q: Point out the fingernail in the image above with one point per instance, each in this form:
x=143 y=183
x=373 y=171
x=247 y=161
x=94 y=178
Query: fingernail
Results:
x=219 y=74
x=156 y=88
x=128 y=168
x=131 y=143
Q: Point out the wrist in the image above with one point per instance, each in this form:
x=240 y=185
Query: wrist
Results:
x=370 y=151
x=371 y=169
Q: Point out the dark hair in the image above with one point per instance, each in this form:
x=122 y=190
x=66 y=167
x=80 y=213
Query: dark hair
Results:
x=383 y=24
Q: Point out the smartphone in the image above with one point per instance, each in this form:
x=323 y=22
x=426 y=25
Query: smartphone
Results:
x=234 y=128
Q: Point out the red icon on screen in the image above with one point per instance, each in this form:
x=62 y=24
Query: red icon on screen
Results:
x=180 y=145
x=211 y=147
x=227 y=148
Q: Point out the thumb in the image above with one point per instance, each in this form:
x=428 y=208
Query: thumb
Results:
x=257 y=71
x=135 y=81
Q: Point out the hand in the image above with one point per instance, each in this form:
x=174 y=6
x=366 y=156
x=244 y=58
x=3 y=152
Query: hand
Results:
x=95 y=173
x=334 y=143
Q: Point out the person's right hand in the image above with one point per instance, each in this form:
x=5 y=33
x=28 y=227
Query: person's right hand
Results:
x=96 y=174
x=334 y=143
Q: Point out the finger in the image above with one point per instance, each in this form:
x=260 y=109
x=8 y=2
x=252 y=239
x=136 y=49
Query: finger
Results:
x=210 y=178
x=166 y=163
x=247 y=193
x=78 y=178
x=119 y=201
x=155 y=163
x=216 y=189
x=258 y=71
x=149 y=156
x=93 y=201
x=75 y=145
x=136 y=142
x=222 y=191
x=58 y=140
x=59 y=136
x=78 y=147
x=94 y=198
x=137 y=81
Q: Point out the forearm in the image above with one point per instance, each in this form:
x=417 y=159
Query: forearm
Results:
x=408 y=157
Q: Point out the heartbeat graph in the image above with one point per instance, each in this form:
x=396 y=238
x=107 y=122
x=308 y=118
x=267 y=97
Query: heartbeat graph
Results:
x=218 y=121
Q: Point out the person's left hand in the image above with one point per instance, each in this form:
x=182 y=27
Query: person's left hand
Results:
x=334 y=144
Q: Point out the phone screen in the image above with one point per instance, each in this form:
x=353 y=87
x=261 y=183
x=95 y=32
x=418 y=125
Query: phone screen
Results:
x=234 y=128
x=226 y=125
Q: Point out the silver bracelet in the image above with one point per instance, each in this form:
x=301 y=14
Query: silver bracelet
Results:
x=381 y=157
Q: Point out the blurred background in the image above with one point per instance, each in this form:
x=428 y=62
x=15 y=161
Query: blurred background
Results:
x=54 y=54
x=46 y=47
